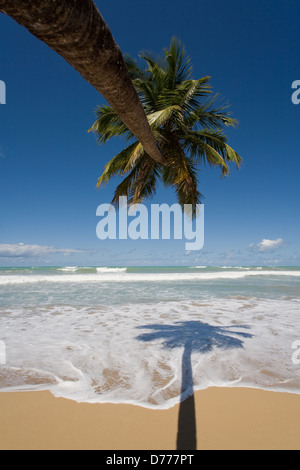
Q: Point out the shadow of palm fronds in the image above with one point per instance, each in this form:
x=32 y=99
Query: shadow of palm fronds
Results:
x=193 y=336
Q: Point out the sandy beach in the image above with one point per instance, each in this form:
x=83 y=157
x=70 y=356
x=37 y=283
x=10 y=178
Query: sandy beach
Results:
x=225 y=419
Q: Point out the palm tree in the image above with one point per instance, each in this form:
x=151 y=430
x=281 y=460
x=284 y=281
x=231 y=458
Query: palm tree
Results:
x=188 y=124
x=76 y=30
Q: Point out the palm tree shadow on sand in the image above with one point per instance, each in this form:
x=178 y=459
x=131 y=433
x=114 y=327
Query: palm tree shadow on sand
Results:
x=192 y=336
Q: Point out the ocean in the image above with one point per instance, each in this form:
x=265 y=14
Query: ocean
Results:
x=148 y=336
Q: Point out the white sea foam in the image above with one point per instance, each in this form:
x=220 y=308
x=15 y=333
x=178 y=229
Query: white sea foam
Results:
x=74 y=269
x=121 y=275
x=111 y=270
x=68 y=269
x=133 y=353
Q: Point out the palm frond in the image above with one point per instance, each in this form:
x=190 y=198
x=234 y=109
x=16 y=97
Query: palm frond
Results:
x=125 y=188
x=179 y=64
x=122 y=163
x=148 y=79
x=136 y=69
x=186 y=95
x=198 y=142
x=207 y=145
x=182 y=174
x=213 y=114
x=186 y=120
x=140 y=183
x=160 y=118
x=108 y=125
x=233 y=156
x=145 y=185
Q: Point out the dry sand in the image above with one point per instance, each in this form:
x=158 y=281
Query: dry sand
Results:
x=225 y=419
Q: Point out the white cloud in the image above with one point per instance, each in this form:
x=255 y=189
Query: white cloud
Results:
x=268 y=245
x=32 y=251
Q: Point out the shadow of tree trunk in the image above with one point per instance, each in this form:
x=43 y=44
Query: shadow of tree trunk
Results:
x=187 y=427
x=202 y=338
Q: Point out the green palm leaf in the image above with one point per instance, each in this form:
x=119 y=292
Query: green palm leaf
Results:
x=213 y=114
x=121 y=163
x=109 y=125
x=160 y=118
x=186 y=120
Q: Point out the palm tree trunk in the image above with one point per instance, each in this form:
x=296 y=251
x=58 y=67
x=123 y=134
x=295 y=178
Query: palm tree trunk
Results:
x=76 y=30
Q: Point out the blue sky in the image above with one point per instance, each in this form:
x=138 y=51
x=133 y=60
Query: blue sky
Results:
x=49 y=164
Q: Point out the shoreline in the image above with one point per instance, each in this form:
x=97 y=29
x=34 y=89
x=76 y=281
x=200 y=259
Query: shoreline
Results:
x=213 y=419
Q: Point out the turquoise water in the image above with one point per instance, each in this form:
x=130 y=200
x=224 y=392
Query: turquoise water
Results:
x=85 y=285
x=102 y=334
